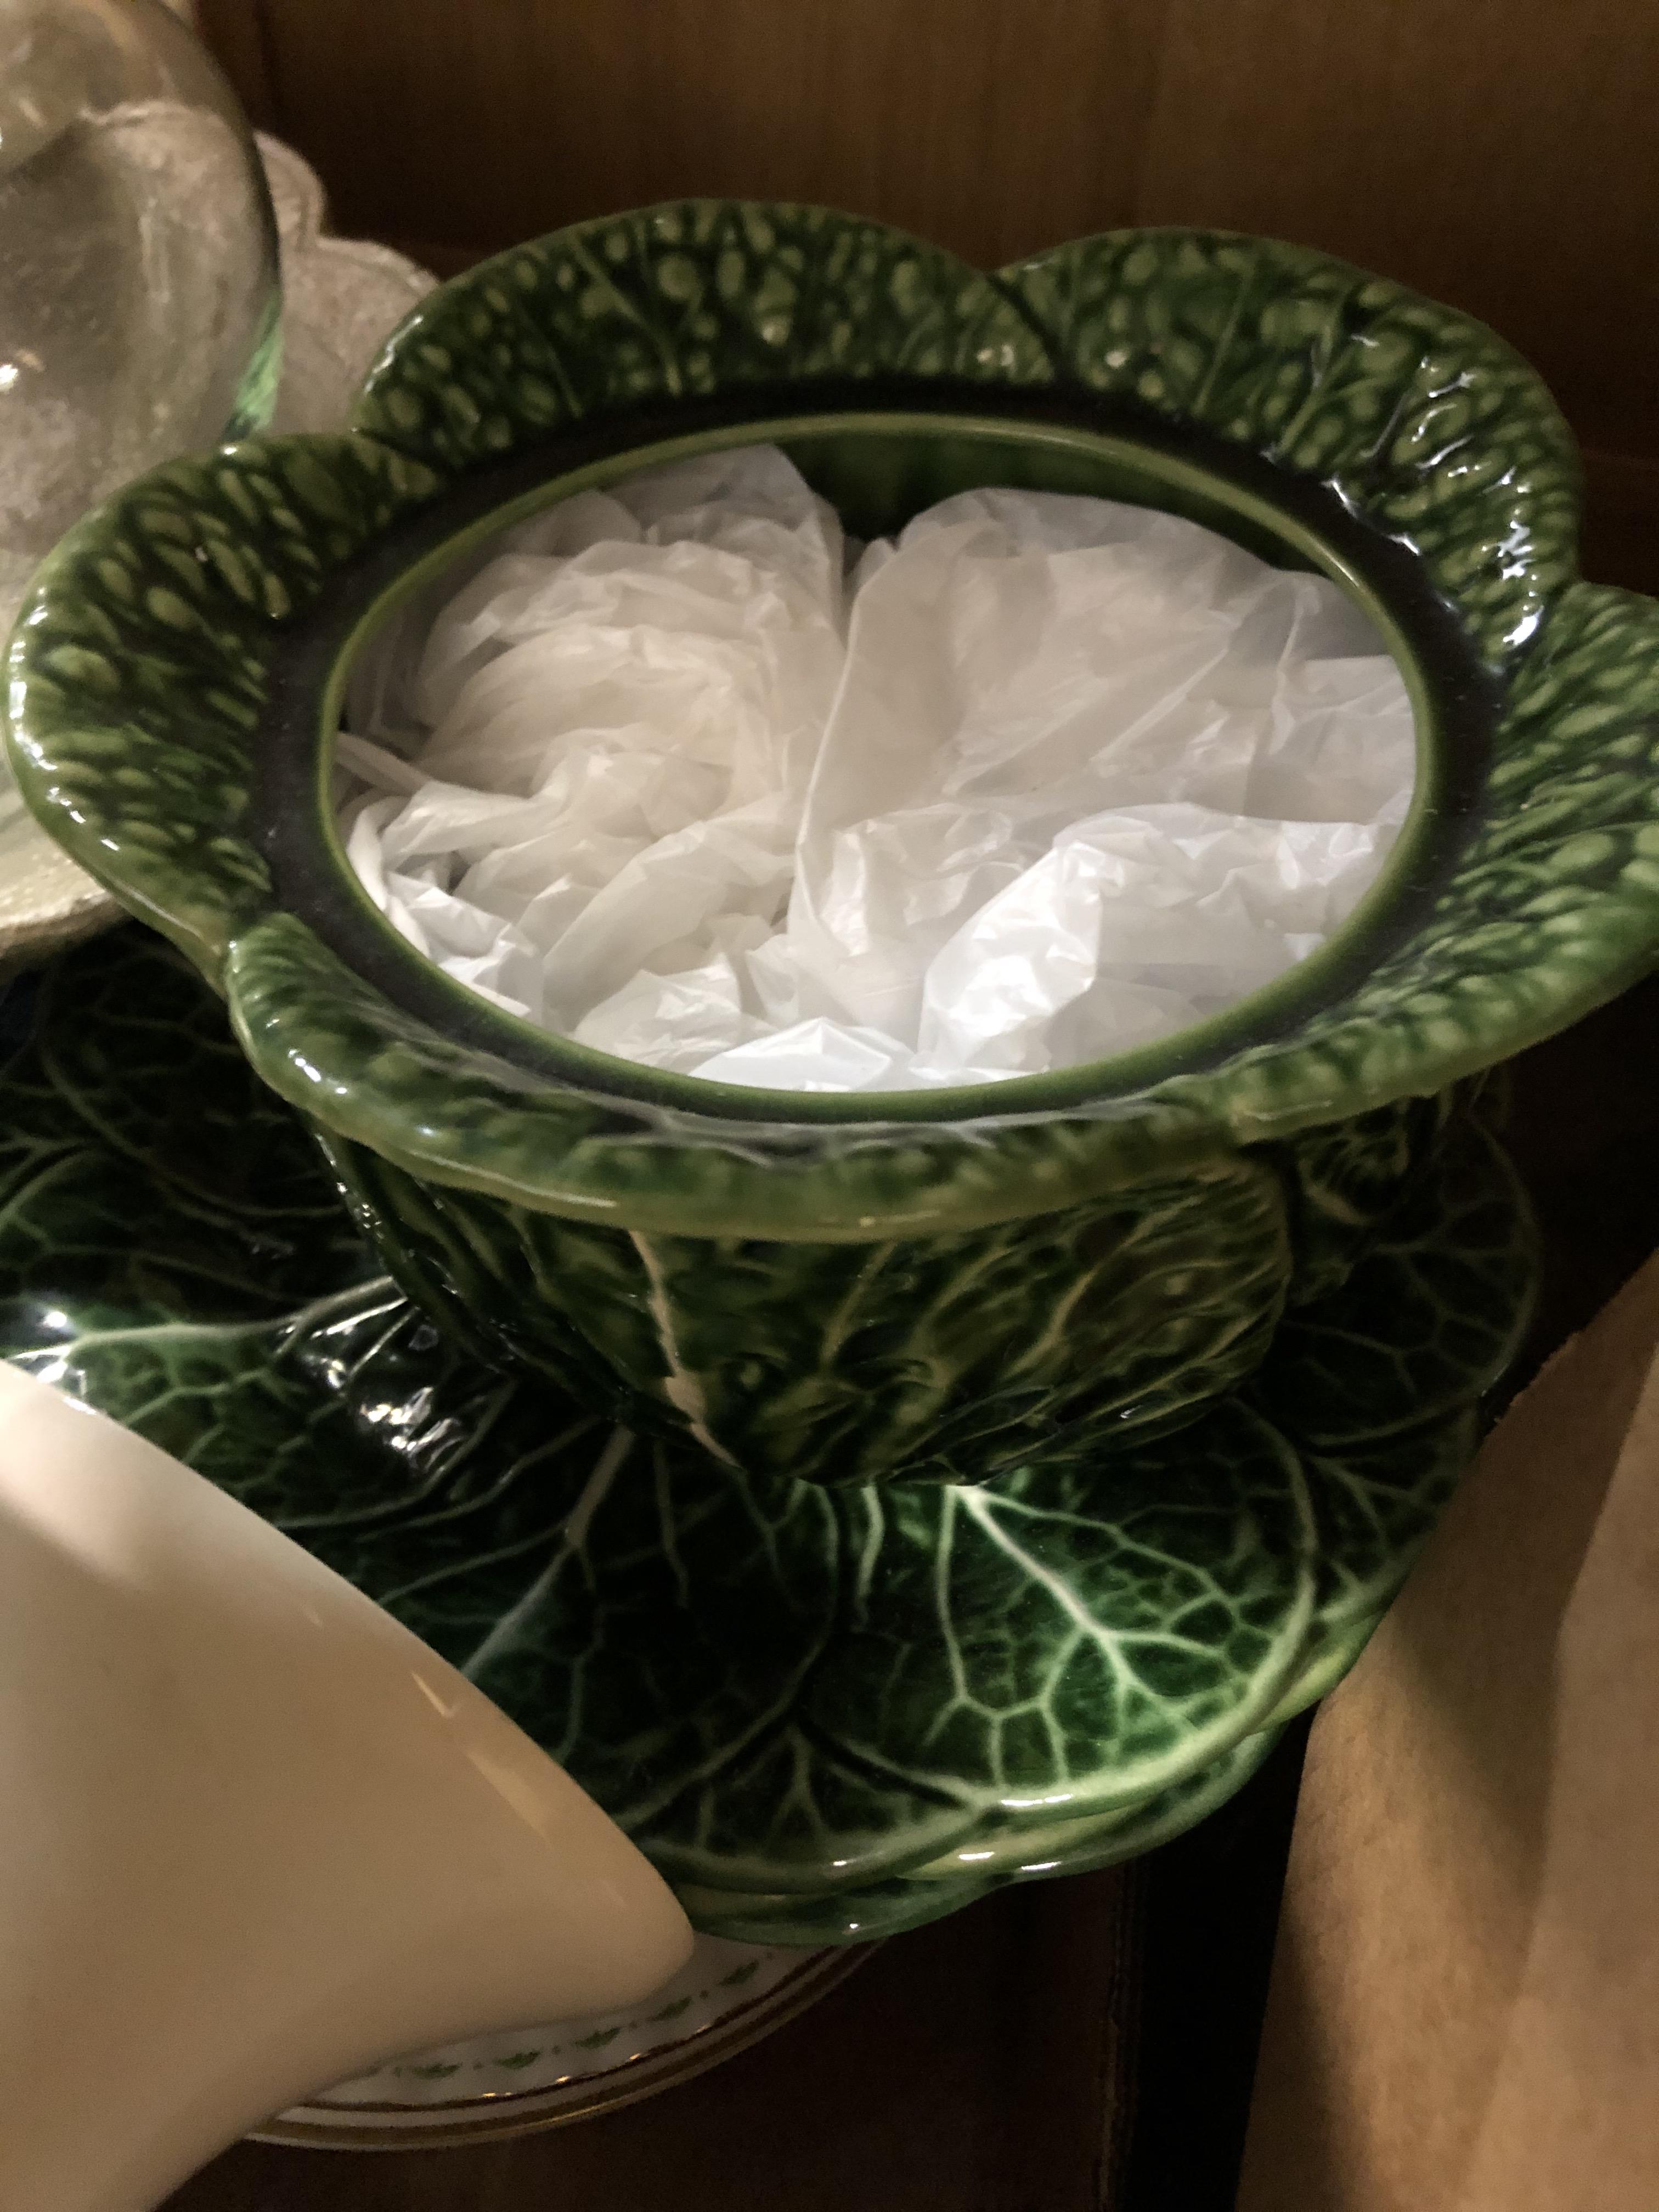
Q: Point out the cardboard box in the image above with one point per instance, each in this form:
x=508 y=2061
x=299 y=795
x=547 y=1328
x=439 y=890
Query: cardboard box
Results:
x=1464 y=2012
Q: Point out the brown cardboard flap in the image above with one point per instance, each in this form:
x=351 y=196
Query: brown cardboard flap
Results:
x=1464 y=2014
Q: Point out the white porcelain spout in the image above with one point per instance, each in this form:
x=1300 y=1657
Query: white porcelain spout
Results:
x=254 y=1836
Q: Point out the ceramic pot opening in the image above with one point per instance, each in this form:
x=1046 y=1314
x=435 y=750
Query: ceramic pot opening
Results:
x=878 y=465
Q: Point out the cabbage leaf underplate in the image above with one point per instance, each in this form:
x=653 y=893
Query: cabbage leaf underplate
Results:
x=825 y=1713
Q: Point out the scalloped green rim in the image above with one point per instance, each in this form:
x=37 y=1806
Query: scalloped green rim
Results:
x=169 y=674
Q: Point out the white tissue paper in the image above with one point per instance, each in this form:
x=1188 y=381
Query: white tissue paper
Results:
x=1044 y=780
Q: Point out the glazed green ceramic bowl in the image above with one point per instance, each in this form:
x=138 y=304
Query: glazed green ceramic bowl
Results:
x=942 y=1285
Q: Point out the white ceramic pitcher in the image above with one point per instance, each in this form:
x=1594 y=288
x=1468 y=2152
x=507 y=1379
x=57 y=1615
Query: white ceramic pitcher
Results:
x=254 y=1836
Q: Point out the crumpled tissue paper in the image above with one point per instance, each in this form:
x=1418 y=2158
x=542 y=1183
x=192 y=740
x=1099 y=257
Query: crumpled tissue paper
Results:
x=669 y=770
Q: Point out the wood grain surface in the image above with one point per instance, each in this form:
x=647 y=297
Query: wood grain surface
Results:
x=1496 y=154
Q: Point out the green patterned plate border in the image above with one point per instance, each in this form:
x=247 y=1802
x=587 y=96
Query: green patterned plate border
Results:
x=524 y=2080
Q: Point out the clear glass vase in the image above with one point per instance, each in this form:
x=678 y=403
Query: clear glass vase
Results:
x=139 y=295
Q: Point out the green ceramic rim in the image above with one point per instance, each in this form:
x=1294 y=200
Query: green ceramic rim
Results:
x=168 y=673
x=564 y=1058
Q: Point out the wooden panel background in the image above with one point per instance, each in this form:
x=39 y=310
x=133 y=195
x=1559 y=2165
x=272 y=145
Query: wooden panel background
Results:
x=1496 y=154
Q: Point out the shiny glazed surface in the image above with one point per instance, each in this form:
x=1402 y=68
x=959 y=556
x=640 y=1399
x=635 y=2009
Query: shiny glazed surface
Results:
x=824 y=1714
x=865 y=1289
x=255 y=1834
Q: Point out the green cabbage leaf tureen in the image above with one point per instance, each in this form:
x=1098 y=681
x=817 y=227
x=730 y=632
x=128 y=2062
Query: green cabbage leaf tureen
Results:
x=869 y=1496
